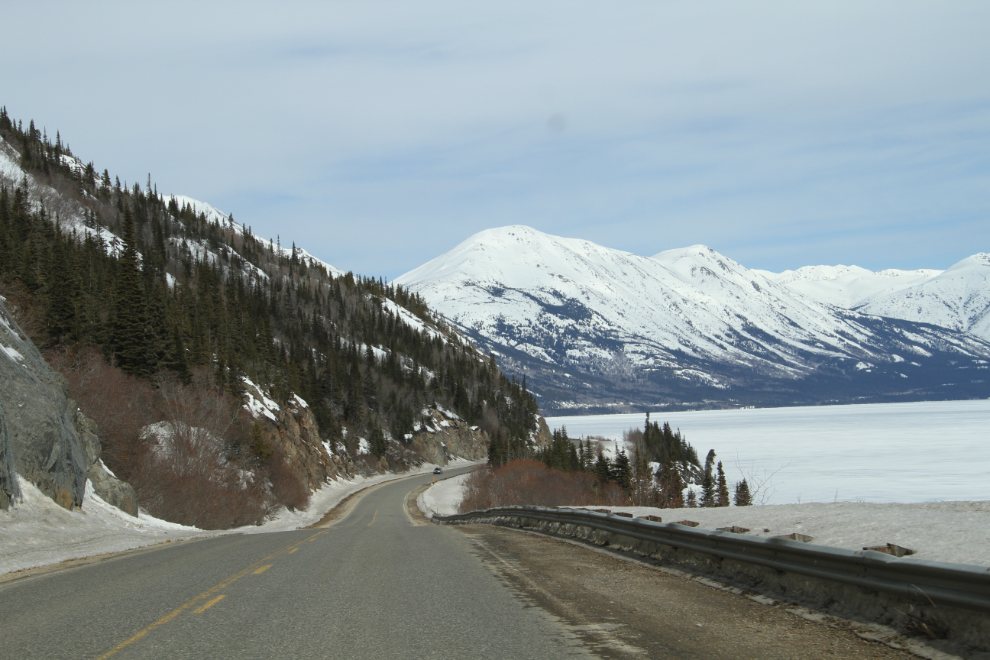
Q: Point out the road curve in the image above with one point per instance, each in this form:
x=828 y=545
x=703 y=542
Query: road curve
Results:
x=373 y=585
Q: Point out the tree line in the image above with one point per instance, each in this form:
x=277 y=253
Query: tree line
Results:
x=158 y=288
x=663 y=471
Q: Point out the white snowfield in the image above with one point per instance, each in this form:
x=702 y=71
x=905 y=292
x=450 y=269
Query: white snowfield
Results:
x=534 y=292
x=957 y=298
x=884 y=452
x=38 y=532
x=957 y=532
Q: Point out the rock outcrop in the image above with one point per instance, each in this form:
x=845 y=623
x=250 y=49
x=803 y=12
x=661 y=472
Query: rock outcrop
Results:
x=298 y=435
x=442 y=435
x=294 y=431
x=39 y=430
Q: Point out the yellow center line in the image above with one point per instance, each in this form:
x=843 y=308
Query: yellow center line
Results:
x=262 y=569
x=206 y=594
x=209 y=604
x=293 y=550
x=374 y=518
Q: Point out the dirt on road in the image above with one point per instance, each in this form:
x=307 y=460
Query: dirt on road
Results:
x=626 y=609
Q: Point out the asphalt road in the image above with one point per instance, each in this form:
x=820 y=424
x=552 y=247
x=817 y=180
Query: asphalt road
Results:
x=373 y=585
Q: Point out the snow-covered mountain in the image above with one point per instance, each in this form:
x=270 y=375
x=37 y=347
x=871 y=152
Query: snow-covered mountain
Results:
x=848 y=286
x=957 y=298
x=591 y=326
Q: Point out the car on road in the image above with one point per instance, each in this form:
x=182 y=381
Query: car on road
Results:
x=437 y=470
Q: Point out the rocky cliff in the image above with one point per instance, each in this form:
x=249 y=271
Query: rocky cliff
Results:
x=43 y=436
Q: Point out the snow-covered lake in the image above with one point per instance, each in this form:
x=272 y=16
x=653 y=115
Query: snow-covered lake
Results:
x=890 y=452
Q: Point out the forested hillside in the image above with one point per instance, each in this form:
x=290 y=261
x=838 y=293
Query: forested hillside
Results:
x=173 y=301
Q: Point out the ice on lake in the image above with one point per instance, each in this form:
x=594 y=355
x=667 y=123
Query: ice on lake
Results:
x=888 y=452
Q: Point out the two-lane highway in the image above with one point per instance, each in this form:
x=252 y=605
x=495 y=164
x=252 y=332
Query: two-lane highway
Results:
x=374 y=585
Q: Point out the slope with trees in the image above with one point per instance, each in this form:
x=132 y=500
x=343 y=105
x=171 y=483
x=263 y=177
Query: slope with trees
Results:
x=185 y=317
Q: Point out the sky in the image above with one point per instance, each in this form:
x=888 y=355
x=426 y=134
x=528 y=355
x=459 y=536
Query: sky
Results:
x=378 y=135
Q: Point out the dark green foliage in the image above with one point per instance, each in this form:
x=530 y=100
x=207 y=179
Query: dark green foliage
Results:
x=708 y=486
x=661 y=444
x=742 y=496
x=130 y=328
x=621 y=471
x=561 y=454
x=150 y=296
x=721 y=488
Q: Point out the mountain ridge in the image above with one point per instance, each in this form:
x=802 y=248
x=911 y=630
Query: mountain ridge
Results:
x=686 y=326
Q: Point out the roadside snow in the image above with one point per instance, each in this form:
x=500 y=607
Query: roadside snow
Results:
x=957 y=532
x=330 y=495
x=443 y=497
x=37 y=531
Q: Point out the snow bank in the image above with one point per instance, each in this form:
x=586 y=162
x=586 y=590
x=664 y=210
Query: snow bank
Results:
x=443 y=497
x=956 y=532
x=38 y=532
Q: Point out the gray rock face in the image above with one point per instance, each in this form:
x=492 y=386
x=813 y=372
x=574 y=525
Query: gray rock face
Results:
x=9 y=490
x=38 y=428
x=110 y=489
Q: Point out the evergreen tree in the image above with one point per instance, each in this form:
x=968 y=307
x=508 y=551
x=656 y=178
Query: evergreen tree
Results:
x=603 y=469
x=742 y=495
x=708 y=482
x=130 y=342
x=621 y=472
x=722 y=490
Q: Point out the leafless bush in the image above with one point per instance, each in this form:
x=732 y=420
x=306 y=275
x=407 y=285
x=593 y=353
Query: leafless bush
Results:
x=287 y=487
x=173 y=443
x=531 y=483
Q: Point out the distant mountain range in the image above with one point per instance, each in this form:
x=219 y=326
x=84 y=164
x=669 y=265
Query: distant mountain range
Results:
x=598 y=329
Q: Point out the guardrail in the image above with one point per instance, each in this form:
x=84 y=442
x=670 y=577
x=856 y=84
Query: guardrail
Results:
x=955 y=585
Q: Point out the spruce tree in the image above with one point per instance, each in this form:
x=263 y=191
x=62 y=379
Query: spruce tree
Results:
x=743 y=496
x=722 y=490
x=130 y=340
x=621 y=472
x=708 y=483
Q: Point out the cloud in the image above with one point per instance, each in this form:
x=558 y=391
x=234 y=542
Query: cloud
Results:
x=786 y=134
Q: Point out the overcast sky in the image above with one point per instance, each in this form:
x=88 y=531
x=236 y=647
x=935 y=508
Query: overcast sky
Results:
x=379 y=135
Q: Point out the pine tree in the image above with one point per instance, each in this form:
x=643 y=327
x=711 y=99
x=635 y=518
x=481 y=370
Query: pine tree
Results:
x=130 y=325
x=742 y=495
x=708 y=483
x=621 y=473
x=722 y=490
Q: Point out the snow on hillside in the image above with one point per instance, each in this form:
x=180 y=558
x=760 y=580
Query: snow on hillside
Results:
x=216 y=216
x=568 y=301
x=847 y=286
x=958 y=298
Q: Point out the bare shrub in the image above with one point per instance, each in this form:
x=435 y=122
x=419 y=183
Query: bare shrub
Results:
x=175 y=444
x=531 y=483
x=287 y=487
x=120 y=404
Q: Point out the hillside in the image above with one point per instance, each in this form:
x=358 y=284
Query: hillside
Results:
x=957 y=298
x=210 y=357
x=596 y=328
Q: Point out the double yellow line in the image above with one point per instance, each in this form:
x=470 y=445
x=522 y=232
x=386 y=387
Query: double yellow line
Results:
x=252 y=569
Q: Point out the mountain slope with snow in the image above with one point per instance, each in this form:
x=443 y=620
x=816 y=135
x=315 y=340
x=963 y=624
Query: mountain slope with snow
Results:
x=595 y=326
x=848 y=286
x=958 y=298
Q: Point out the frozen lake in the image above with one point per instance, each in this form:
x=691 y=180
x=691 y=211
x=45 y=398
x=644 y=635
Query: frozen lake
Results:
x=888 y=452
